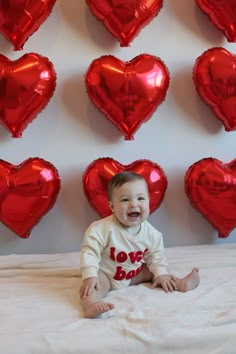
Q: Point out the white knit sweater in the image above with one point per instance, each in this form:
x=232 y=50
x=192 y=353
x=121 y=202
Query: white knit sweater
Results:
x=109 y=247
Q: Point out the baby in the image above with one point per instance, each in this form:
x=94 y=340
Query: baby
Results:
x=125 y=249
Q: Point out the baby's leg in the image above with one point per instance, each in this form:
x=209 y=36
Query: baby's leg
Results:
x=189 y=282
x=92 y=304
x=142 y=277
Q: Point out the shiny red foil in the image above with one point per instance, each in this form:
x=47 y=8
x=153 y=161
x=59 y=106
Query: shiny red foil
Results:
x=210 y=186
x=222 y=13
x=26 y=87
x=125 y=18
x=214 y=75
x=19 y=19
x=27 y=192
x=127 y=93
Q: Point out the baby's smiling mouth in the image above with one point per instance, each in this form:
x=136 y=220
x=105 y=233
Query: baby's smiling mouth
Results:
x=134 y=214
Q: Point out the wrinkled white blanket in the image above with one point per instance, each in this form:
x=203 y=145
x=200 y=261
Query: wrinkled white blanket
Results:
x=40 y=309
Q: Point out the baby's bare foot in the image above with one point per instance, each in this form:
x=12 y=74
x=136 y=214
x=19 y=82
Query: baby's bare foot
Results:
x=189 y=282
x=96 y=309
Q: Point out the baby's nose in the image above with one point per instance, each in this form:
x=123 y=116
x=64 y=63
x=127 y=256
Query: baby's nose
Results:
x=133 y=203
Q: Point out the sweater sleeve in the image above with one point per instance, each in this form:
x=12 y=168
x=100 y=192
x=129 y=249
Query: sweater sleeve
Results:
x=155 y=258
x=91 y=253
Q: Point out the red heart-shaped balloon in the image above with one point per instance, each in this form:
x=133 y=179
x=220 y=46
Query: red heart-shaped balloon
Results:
x=127 y=93
x=222 y=13
x=26 y=87
x=125 y=19
x=20 y=19
x=210 y=186
x=98 y=174
x=214 y=75
x=27 y=192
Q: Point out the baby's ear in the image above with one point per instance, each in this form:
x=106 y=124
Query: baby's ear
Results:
x=110 y=205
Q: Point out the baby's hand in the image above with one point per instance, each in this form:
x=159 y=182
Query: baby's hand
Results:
x=166 y=281
x=88 y=286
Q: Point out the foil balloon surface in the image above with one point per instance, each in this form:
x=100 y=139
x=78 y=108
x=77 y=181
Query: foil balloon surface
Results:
x=20 y=19
x=127 y=93
x=210 y=186
x=27 y=192
x=222 y=13
x=214 y=75
x=26 y=86
x=125 y=18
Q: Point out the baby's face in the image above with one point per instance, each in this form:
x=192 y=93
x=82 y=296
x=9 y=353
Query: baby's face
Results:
x=130 y=203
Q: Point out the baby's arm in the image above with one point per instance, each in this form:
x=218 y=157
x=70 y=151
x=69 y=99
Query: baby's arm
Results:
x=91 y=253
x=87 y=286
x=155 y=258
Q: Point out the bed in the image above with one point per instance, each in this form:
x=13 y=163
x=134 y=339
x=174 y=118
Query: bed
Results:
x=41 y=313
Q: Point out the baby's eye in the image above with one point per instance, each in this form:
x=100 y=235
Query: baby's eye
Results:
x=141 y=198
x=124 y=200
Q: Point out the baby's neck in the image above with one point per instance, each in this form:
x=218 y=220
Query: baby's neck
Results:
x=133 y=230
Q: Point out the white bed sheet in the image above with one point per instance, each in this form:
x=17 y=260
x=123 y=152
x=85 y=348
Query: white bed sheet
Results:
x=40 y=310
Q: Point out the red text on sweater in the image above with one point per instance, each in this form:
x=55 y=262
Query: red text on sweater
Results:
x=122 y=256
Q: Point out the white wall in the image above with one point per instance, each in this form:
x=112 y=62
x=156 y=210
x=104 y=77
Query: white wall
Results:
x=71 y=133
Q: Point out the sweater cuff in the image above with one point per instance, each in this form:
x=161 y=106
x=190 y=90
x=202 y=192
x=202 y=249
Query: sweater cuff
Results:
x=160 y=271
x=89 y=273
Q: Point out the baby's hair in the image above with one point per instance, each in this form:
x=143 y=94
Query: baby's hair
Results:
x=121 y=178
